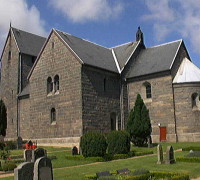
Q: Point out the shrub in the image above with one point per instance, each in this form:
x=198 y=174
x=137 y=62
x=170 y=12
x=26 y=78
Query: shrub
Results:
x=188 y=159
x=10 y=145
x=139 y=172
x=191 y=148
x=93 y=144
x=118 y=142
x=4 y=154
x=2 y=146
x=8 y=166
x=138 y=124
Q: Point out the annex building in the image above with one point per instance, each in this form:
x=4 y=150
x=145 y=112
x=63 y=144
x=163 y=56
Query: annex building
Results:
x=59 y=87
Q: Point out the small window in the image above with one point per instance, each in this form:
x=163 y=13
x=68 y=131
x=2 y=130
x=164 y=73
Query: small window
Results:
x=9 y=55
x=104 y=85
x=49 y=85
x=52 y=45
x=147 y=90
x=53 y=115
x=194 y=100
x=56 y=83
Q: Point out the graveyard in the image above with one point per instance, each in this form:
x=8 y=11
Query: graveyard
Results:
x=72 y=169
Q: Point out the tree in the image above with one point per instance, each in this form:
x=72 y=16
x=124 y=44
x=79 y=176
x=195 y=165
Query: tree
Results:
x=138 y=124
x=3 y=118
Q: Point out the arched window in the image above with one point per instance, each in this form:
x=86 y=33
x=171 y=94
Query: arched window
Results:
x=113 y=121
x=147 y=86
x=53 y=115
x=194 y=98
x=56 y=83
x=49 y=85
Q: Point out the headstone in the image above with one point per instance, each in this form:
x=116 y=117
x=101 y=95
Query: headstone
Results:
x=170 y=155
x=24 y=171
x=191 y=152
x=28 y=155
x=123 y=171
x=19 y=142
x=103 y=173
x=160 y=154
x=43 y=169
x=38 y=153
x=149 y=142
x=74 y=150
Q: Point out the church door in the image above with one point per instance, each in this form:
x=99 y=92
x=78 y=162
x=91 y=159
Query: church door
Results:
x=163 y=133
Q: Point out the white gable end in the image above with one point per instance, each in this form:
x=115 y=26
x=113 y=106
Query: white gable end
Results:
x=187 y=72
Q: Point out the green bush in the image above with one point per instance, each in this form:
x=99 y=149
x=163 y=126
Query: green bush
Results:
x=139 y=177
x=188 y=159
x=194 y=154
x=139 y=172
x=191 y=148
x=10 y=145
x=4 y=154
x=8 y=166
x=2 y=146
x=170 y=175
x=93 y=144
x=118 y=142
x=141 y=153
x=91 y=177
x=107 y=178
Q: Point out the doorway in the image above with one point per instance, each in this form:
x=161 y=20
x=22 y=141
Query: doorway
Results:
x=163 y=134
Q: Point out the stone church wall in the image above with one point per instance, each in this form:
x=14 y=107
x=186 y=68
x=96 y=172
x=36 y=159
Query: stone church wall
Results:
x=9 y=85
x=24 y=116
x=187 y=117
x=58 y=60
x=161 y=108
x=100 y=94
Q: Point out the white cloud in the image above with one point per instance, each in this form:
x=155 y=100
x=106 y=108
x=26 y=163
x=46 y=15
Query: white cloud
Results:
x=87 y=10
x=175 y=16
x=21 y=16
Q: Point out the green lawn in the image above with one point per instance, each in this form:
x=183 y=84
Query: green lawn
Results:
x=148 y=162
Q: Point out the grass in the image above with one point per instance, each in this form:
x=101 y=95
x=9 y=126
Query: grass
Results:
x=68 y=172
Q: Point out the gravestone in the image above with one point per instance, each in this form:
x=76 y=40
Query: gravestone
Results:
x=28 y=155
x=38 y=153
x=160 y=154
x=149 y=142
x=123 y=171
x=103 y=173
x=19 y=142
x=43 y=169
x=170 y=155
x=74 y=150
x=24 y=171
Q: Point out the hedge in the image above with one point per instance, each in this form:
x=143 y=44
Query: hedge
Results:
x=155 y=174
x=107 y=157
x=93 y=144
x=188 y=159
x=118 y=142
x=191 y=148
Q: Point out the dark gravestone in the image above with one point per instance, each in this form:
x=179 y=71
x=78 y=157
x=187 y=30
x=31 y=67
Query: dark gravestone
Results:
x=43 y=169
x=170 y=155
x=28 y=155
x=159 y=154
x=38 y=153
x=24 y=171
x=123 y=171
x=74 y=150
x=103 y=173
x=19 y=143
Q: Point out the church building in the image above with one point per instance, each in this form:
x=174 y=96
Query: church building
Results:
x=59 y=87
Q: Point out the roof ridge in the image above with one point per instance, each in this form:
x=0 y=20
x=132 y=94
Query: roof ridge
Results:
x=165 y=43
x=28 y=32
x=83 y=39
x=121 y=44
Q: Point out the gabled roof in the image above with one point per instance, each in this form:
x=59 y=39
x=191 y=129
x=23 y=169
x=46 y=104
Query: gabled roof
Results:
x=90 y=53
x=124 y=52
x=28 y=43
x=187 y=72
x=155 y=59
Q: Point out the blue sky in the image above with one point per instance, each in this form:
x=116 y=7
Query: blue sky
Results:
x=108 y=22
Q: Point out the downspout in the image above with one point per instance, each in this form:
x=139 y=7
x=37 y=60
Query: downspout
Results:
x=19 y=91
x=174 y=104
